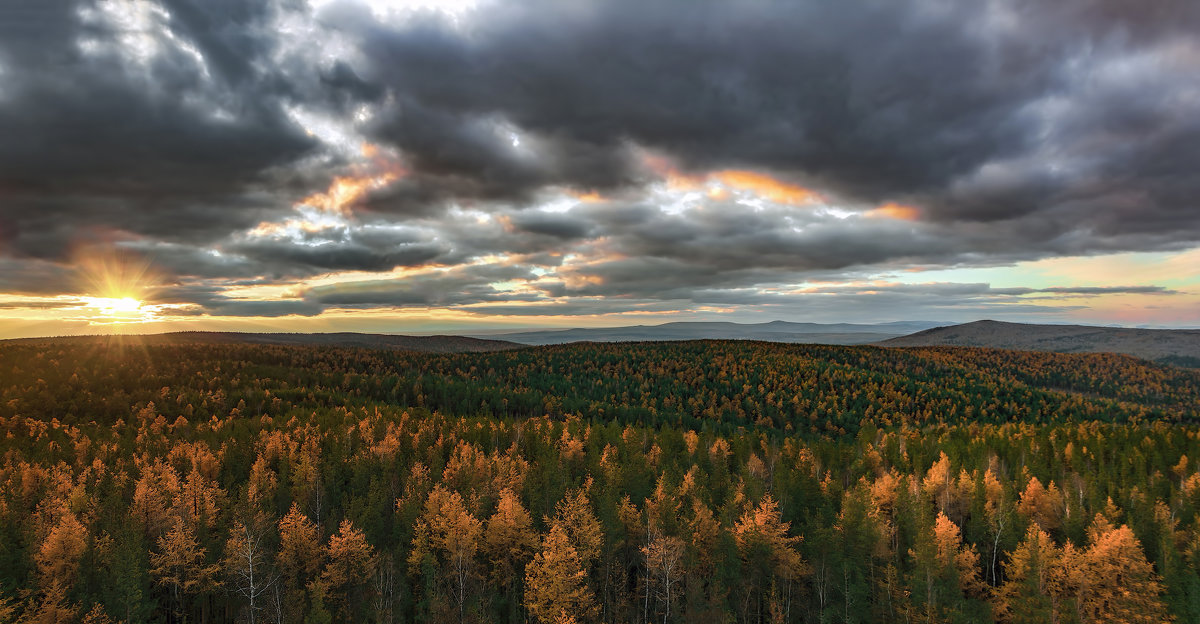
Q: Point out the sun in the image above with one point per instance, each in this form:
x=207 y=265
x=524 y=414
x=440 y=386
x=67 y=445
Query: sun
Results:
x=115 y=306
x=119 y=287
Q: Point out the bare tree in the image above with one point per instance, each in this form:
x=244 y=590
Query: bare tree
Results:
x=385 y=583
x=247 y=564
x=663 y=558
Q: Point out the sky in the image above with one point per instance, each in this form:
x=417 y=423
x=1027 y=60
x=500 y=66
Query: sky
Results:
x=411 y=167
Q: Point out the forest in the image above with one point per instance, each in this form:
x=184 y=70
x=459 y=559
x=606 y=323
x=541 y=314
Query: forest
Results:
x=708 y=481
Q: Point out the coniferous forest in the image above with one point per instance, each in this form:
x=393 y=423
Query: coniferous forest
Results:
x=647 y=482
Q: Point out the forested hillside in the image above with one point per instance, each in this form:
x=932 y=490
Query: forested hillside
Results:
x=1175 y=346
x=668 y=482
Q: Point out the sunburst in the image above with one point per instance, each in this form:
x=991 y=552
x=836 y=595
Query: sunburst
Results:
x=115 y=306
x=118 y=286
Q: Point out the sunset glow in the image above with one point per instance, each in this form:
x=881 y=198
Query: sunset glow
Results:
x=124 y=306
x=766 y=187
x=345 y=191
x=893 y=210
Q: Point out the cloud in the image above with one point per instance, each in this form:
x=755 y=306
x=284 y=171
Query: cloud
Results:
x=36 y=304
x=1091 y=290
x=593 y=155
x=115 y=123
x=1037 y=113
x=554 y=225
x=461 y=286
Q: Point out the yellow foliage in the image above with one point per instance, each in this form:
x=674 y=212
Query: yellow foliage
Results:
x=58 y=557
x=300 y=551
x=555 y=582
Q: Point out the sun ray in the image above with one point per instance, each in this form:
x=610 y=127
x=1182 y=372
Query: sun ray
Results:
x=118 y=288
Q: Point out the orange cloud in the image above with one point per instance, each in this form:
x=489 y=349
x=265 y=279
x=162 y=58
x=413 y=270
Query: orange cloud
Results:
x=719 y=184
x=665 y=168
x=718 y=193
x=345 y=191
x=588 y=197
x=766 y=187
x=892 y=210
x=660 y=165
x=267 y=229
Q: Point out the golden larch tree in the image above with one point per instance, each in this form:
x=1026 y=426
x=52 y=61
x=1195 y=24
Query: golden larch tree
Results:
x=300 y=552
x=509 y=540
x=761 y=531
x=1042 y=505
x=454 y=536
x=179 y=565
x=556 y=583
x=1029 y=595
x=1121 y=587
x=574 y=514
x=952 y=552
x=351 y=564
x=57 y=559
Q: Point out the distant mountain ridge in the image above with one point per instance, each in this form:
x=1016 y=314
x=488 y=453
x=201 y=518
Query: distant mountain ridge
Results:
x=773 y=331
x=1171 y=346
x=1174 y=346
x=429 y=344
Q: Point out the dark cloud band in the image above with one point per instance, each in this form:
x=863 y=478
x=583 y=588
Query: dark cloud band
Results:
x=575 y=138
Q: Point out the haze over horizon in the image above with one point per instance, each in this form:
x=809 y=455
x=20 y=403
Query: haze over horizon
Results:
x=415 y=167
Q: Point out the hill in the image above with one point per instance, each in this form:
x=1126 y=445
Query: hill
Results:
x=425 y=344
x=1175 y=346
x=774 y=331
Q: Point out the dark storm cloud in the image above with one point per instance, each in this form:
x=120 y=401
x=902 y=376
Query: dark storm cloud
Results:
x=1018 y=130
x=855 y=95
x=726 y=236
x=334 y=256
x=102 y=136
x=35 y=277
x=975 y=111
x=461 y=286
x=550 y=224
x=208 y=299
x=342 y=249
